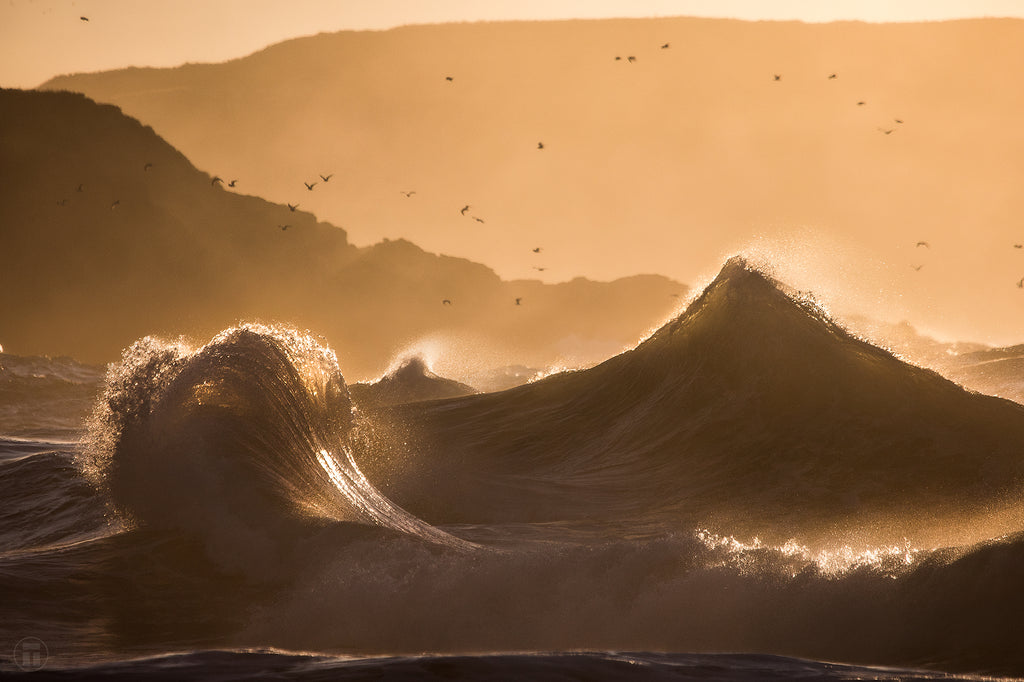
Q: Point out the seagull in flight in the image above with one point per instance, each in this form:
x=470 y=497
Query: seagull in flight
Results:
x=832 y=76
x=537 y=250
x=84 y=18
x=631 y=59
x=147 y=166
x=464 y=209
x=924 y=244
x=776 y=77
x=232 y=183
x=917 y=267
x=887 y=131
x=292 y=207
x=665 y=46
x=539 y=269
x=449 y=79
x=309 y=186
x=117 y=202
x=326 y=178
x=81 y=187
x=216 y=179
x=479 y=220
x=861 y=103
x=519 y=301
x=446 y=302
x=408 y=194
x=284 y=227
x=1018 y=246
x=540 y=145
x=1020 y=284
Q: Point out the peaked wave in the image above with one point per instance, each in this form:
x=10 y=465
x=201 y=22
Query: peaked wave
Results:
x=752 y=408
x=236 y=442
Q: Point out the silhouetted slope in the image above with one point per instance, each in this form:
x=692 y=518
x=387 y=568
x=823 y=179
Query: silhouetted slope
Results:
x=410 y=382
x=752 y=409
x=108 y=234
x=656 y=165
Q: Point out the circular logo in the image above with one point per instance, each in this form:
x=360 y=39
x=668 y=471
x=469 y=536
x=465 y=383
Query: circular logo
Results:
x=30 y=654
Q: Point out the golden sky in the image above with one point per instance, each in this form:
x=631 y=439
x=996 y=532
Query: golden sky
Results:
x=43 y=38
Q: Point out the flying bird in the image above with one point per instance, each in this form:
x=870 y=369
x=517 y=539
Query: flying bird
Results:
x=861 y=103
x=326 y=178
x=898 y=120
x=519 y=301
x=464 y=209
x=665 y=46
x=887 y=131
x=1020 y=284
x=631 y=58
x=292 y=208
x=216 y=179
x=232 y=183
x=917 y=267
x=284 y=227
x=84 y=18
x=1018 y=246
x=408 y=194
x=479 y=220
x=539 y=269
x=540 y=145
x=446 y=302
x=80 y=188
x=618 y=58
x=147 y=166
x=309 y=186
x=832 y=76
x=62 y=202
x=449 y=79
x=924 y=244
x=537 y=250
x=776 y=77
x=117 y=202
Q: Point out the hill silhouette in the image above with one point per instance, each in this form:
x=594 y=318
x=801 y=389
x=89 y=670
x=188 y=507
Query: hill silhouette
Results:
x=751 y=410
x=109 y=234
x=660 y=164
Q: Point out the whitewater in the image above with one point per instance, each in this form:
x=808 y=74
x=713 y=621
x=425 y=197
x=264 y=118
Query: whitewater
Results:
x=752 y=492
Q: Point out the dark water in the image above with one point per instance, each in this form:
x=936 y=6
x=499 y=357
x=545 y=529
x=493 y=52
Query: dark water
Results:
x=752 y=493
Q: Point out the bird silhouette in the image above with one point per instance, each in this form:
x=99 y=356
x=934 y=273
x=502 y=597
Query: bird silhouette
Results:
x=631 y=58
x=216 y=179
x=861 y=103
x=446 y=302
x=464 y=209
x=540 y=145
x=284 y=227
x=449 y=78
x=309 y=186
x=898 y=120
x=776 y=77
x=887 y=131
x=537 y=250
x=665 y=46
x=539 y=269
x=326 y=178
x=479 y=220
x=84 y=18
x=117 y=202
x=147 y=166
x=408 y=194
x=917 y=267
x=832 y=76
x=1020 y=284
x=232 y=183
x=618 y=58
x=291 y=207
x=62 y=202
x=924 y=244
x=519 y=301
x=81 y=188
x=1018 y=246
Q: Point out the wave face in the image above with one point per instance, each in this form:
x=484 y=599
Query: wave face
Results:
x=751 y=411
x=235 y=442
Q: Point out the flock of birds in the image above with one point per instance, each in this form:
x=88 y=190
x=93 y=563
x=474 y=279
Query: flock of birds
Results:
x=464 y=211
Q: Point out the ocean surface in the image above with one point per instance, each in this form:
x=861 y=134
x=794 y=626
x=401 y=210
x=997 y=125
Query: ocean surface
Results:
x=752 y=493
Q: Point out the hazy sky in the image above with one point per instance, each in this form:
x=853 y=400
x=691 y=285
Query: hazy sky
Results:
x=44 y=38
